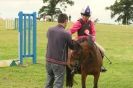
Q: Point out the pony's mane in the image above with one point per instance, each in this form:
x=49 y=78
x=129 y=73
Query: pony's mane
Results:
x=80 y=40
x=78 y=46
x=88 y=39
x=77 y=43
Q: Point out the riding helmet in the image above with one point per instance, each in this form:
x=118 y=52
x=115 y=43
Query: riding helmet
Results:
x=86 y=11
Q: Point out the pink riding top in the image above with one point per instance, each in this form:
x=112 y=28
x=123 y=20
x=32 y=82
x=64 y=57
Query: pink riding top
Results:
x=77 y=26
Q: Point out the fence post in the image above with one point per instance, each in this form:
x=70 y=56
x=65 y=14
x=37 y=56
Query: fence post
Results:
x=16 y=23
x=34 y=37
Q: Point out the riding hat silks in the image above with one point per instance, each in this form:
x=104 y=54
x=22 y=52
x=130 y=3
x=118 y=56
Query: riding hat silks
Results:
x=86 y=11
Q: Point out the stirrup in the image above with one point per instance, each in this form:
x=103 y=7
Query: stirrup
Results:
x=103 y=69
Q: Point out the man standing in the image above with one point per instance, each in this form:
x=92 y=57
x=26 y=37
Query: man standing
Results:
x=58 y=42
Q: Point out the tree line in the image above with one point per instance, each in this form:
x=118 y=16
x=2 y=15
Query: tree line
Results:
x=122 y=10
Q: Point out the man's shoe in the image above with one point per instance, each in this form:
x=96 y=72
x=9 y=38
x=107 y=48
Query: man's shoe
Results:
x=103 y=69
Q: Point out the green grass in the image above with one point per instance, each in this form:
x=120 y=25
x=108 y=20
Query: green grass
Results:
x=116 y=39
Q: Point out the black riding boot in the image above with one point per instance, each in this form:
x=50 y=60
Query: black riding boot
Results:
x=103 y=69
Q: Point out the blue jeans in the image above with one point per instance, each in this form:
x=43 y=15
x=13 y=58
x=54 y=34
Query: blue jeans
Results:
x=55 y=75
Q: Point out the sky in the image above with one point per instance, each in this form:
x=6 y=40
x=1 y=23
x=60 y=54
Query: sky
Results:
x=10 y=8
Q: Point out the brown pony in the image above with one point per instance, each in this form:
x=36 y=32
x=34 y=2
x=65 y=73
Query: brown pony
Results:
x=89 y=60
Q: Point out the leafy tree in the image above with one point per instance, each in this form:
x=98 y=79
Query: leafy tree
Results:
x=45 y=10
x=51 y=8
x=123 y=9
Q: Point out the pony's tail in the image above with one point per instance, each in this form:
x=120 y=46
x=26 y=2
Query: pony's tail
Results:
x=69 y=77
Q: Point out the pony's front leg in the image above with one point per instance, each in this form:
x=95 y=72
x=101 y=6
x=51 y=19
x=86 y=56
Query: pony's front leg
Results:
x=83 y=79
x=96 y=77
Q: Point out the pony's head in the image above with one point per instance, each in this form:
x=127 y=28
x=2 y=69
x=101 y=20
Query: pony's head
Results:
x=75 y=53
x=81 y=46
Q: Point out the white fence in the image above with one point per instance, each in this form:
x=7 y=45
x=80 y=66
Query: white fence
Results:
x=7 y=24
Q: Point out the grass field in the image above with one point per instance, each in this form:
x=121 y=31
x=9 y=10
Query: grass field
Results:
x=116 y=39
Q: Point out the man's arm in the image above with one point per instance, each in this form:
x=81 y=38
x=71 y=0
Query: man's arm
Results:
x=69 y=41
